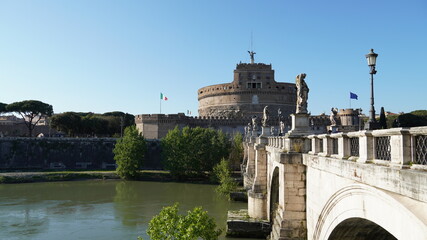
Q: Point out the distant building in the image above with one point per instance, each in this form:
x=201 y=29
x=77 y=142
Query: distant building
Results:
x=231 y=106
x=42 y=120
x=254 y=86
x=9 y=120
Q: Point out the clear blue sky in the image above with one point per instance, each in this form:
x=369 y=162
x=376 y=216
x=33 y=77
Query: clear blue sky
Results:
x=102 y=56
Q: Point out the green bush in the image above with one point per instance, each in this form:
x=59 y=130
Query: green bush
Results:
x=129 y=153
x=223 y=174
x=191 y=152
x=170 y=225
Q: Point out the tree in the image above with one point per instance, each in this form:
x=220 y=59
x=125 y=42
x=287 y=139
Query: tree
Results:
x=236 y=153
x=223 y=174
x=410 y=120
x=383 y=120
x=128 y=119
x=3 y=107
x=68 y=122
x=129 y=153
x=31 y=111
x=169 y=225
x=193 y=151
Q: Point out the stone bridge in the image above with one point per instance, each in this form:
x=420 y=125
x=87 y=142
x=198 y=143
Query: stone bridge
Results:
x=356 y=185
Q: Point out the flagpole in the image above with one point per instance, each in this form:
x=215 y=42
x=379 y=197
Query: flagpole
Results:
x=160 y=105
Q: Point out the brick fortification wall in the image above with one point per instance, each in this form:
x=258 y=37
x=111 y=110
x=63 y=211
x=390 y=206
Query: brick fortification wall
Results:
x=67 y=153
x=156 y=126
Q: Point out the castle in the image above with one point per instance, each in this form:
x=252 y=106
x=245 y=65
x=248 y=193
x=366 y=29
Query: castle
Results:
x=231 y=106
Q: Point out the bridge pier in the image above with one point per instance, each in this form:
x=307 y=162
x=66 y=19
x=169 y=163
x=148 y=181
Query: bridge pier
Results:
x=289 y=219
x=257 y=195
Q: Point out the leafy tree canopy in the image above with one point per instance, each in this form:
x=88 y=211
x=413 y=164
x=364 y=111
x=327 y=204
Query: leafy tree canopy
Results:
x=31 y=111
x=81 y=123
x=169 y=225
x=3 y=107
x=222 y=173
x=68 y=122
x=30 y=108
x=413 y=119
x=129 y=153
x=193 y=151
x=236 y=153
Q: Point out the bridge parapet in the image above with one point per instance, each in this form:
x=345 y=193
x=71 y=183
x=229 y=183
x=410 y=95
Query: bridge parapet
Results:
x=366 y=174
x=397 y=147
x=376 y=178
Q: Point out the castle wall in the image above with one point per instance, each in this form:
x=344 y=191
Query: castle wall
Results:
x=67 y=153
x=156 y=126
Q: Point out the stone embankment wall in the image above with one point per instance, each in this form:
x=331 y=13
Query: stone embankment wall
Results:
x=67 y=153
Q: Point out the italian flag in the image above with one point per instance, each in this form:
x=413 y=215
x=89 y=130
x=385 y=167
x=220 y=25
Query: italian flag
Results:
x=163 y=97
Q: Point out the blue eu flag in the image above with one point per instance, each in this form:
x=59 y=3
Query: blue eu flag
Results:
x=353 y=96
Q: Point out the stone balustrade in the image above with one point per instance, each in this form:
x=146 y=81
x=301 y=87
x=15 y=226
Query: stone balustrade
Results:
x=398 y=147
x=312 y=179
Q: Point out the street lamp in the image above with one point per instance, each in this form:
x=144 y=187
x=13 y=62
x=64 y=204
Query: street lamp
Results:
x=372 y=60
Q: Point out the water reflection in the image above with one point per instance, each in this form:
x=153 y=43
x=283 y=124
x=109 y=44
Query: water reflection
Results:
x=125 y=209
x=98 y=209
x=23 y=222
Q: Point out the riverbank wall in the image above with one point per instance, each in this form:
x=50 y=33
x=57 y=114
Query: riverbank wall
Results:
x=67 y=153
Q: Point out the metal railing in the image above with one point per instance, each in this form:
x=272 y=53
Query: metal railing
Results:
x=335 y=146
x=354 y=147
x=383 y=148
x=421 y=150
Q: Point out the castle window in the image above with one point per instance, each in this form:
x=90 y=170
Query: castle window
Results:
x=254 y=85
x=255 y=99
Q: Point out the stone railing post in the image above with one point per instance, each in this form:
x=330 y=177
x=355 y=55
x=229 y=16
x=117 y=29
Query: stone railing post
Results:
x=315 y=144
x=366 y=147
x=282 y=142
x=327 y=145
x=343 y=145
x=400 y=148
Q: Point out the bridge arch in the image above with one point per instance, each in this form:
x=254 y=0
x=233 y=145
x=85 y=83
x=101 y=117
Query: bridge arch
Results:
x=359 y=228
x=362 y=206
x=274 y=193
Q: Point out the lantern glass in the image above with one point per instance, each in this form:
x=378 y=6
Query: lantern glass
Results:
x=372 y=58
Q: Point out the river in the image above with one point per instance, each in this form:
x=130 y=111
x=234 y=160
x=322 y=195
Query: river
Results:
x=93 y=210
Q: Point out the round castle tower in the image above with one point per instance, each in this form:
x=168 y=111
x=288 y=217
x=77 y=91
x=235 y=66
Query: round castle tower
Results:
x=252 y=89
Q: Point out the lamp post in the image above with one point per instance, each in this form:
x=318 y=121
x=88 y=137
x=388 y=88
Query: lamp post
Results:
x=372 y=60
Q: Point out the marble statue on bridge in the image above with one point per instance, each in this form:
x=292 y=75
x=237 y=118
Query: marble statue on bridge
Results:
x=266 y=117
x=302 y=93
